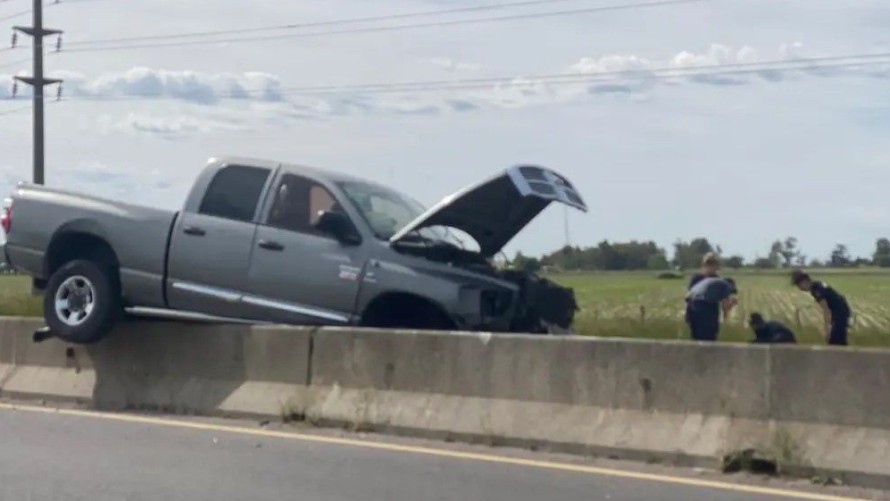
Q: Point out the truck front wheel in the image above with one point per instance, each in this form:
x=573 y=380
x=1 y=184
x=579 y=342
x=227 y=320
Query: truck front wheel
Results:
x=82 y=302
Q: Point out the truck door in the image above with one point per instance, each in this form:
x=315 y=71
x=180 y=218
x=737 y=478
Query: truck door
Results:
x=298 y=274
x=211 y=244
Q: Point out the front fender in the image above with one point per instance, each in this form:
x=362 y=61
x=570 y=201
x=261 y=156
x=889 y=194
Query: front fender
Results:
x=459 y=295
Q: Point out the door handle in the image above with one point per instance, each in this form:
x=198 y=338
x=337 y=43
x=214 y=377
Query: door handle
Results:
x=194 y=230
x=272 y=246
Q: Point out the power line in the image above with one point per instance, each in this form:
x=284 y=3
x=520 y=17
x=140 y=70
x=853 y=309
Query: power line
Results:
x=849 y=60
x=575 y=79
x=419 y=89
x=17 y=14
x=428 y=24
x=389 y=17
x=774 y=65
x=14 y=63
x=15 y=110
x=563 y=79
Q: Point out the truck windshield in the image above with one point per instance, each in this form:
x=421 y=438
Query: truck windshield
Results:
x=387 y=211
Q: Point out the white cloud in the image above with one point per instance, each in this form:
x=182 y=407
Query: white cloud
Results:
x=716 y=54
x=633 y=75
x=630 y=75
x=626 y=72
x=172 y=126
x=190 y=86
x=611 y=63
x=518 y=93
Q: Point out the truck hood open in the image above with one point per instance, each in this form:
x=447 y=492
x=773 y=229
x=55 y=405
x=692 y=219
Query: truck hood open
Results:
x=495 y=210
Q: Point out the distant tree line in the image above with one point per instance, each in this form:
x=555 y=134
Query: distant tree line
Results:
x=647 y=255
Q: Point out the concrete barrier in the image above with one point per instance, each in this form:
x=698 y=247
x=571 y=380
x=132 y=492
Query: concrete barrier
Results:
x=564 y=393
x=830 y=410
x=167 y=366
x=815 y=410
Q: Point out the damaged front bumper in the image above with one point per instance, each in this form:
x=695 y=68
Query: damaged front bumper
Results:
x=546 y=307
x=536 y=306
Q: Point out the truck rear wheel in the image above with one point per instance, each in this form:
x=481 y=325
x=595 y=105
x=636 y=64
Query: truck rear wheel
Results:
x=82 y=303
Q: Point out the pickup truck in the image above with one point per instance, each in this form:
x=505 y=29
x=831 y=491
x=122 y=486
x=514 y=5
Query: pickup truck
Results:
x=262 y=241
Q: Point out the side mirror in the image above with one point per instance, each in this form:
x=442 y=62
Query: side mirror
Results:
x=338 y=225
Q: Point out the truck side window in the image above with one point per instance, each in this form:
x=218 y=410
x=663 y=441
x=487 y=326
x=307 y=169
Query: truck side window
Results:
x=297 y=204
x=234 y=192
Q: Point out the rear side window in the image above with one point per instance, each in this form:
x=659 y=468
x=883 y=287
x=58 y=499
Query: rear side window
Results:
x=234 y=193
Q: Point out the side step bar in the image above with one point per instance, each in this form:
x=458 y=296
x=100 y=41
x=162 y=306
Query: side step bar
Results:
x=189 y=316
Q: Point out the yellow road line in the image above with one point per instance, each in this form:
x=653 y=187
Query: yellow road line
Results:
x=430 y=451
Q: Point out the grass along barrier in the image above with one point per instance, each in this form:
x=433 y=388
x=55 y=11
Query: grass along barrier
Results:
x=16 y=299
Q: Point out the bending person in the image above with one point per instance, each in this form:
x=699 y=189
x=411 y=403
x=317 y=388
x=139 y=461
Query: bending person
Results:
x=835 y=310
x=710 y=267
x=706 y=299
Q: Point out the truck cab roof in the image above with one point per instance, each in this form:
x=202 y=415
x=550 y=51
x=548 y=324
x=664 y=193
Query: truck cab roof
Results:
x=329 y=175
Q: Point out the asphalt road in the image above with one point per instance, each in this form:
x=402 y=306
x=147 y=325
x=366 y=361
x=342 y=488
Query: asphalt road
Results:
x=74 y=455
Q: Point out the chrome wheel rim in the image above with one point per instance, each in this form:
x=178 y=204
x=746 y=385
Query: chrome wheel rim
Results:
x=75 y=300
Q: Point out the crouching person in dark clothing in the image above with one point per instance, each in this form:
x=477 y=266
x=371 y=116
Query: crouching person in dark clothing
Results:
x=769 y=332
x=706 y=300
x=835 y=309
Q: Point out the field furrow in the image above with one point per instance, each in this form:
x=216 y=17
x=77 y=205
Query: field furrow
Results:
x=640 y=305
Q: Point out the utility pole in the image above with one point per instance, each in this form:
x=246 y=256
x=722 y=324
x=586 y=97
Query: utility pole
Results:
x=38 y=82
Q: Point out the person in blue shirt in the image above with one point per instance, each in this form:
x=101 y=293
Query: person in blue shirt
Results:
x=706 y=299
x=710 y=267
x=769 y=332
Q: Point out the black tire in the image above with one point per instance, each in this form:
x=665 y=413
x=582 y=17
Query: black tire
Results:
x=428 y=318
x=76 y=324
x=413 y=314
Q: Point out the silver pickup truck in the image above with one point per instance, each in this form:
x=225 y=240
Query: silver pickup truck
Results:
x=262 y=241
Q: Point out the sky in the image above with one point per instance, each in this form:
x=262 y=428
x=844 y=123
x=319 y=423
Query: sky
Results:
x=743 y=159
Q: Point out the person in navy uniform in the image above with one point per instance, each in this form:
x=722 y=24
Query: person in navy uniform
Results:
x=835 y=309
x=706 y=299
x=710 y=267
x=769 y=332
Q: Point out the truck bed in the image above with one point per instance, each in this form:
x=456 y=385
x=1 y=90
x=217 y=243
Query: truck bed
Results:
x=45 y=219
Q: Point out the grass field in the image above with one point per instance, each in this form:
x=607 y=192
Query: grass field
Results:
x=16 y=299
x=640 y=305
